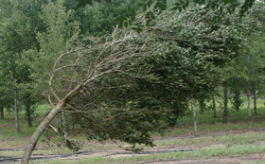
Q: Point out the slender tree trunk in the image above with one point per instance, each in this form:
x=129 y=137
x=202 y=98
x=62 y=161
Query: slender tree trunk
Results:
x=64 y=127
x=214 y=107
x=255 y=102
x=46 y=122
x=38 y=132
x=28 y=115
x=226 y=112
x=2 y=116
x=16 y=111
x=237 y=99
x=202 y=105
x=193 y=106
x=249 y=111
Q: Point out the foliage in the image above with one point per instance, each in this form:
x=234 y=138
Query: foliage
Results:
x=151 y=91
x=135 y=64
x=247 y=71
x=152 y=8
x=18 y=23
x=100 y=18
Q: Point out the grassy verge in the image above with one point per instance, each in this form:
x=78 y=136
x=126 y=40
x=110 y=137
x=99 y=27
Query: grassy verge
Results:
x=216 y=139
x=203 y=153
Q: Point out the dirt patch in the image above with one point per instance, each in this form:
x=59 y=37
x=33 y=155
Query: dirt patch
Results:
x=116 y=152
x=220 y=160
x=84 y=154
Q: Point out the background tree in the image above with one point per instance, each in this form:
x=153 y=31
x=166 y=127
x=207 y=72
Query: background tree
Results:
x=17 y=33
x=144 y=78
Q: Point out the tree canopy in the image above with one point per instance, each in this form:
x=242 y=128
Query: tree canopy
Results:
x=122 y=69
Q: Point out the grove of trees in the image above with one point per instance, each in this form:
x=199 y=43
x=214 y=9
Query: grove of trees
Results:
x=121 y=69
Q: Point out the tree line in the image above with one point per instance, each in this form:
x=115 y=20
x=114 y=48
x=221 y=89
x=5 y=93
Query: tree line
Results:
x=121 y=69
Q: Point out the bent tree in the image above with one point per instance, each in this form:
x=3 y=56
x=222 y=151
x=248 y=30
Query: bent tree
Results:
x=179 y=54
x=87 y=65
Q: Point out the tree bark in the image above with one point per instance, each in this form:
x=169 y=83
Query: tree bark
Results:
x=38 y=132
x=214 y=107
x=226 y=112
x=46 y=122
x=64 y=127
x=193 y=105
x=255 y=102
x=16 y=111
x=249 y=111
x=2 y=116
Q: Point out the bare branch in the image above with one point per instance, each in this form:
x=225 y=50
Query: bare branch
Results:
x=66 y=66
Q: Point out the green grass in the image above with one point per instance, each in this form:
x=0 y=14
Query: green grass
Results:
x=204 y=147
x=206 y=124
x=7 y=128
x=235 y=116
x=202 y=153
x=216 y=138
x=43 y=108
x=254 y=162
x=232 y=139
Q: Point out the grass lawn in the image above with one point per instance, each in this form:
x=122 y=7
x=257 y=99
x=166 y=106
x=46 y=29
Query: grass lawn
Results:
x=215 y=140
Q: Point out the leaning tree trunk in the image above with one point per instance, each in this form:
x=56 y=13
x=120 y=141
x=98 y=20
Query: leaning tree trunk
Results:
x=226 y=112
x=64 y=127
x=38 y=132
x=16 y=111
x=2 y=115
x=214 y=107
x=255 y=102
x=193 y=106
x=249 y=111
x=46 y=122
